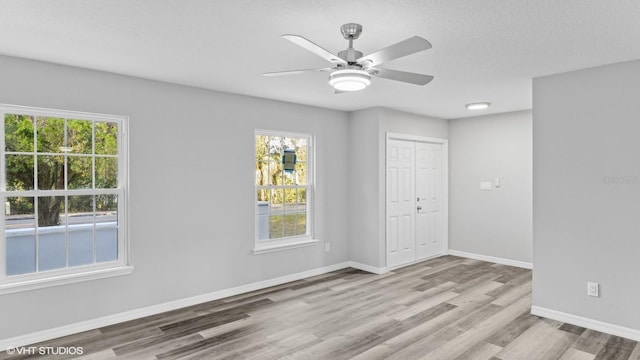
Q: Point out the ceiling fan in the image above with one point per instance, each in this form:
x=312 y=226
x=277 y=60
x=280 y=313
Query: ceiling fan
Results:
x=352 y=71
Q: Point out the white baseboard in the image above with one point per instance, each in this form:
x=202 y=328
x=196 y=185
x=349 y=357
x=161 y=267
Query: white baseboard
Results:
x=604 y=327
x=497 y=260
x=66 y=330
x=368 y=268
x=392 y=268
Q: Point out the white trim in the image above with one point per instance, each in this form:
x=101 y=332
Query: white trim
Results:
x=285 y=246
x=407 y=137
x=384 y=270
x=368 y=268
x=414 y=262
x=63 y=279
x=445 y=199
x=597 y=325
x=38 y=111
x=493 y=259
x=70 y=329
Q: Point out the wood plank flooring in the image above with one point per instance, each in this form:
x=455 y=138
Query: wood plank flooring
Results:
x=445 y=308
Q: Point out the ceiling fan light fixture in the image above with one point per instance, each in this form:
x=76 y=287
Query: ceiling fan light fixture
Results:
x=478 y=106
x=349 y=80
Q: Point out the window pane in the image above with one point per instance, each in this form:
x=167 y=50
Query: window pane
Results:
x=290 y=223
x=275 y=147
x=301 y=149
x=80 y=210
x=289 y=178
x=277 y=214
x=79 y=136
x=263 y=195
x=80 y=227
x=262 y=211
x=302 y=197
x=50 y=211
x=262 y=148
x=106 y=228
x=80 y=246
x=50 y=172
x=275 y=226
x=19 y=213
x=20 y=235
x=301 y=226
x=290 y=200
x=106 y=173
x=50 y=134
x=79 y=172
x=52 y=249
x=106 y=138
x=275 y=173
x=106 y=208
x=262 y=173
x=18 y=133
x=277 y=204
x=19 y=172
x=301 y=173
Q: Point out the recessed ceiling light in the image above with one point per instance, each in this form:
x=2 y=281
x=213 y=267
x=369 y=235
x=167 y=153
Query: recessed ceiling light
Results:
x=478 y=106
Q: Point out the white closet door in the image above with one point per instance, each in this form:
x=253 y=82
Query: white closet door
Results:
x=429 y=226
x=401 y=208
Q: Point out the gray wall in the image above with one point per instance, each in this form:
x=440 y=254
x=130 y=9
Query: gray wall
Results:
x=495 y=223
x=363 y=187
x=586 y=128
x=367 y=136
x=191 y=191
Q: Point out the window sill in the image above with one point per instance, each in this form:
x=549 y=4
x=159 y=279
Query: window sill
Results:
x=63 y=279
x=294 y=244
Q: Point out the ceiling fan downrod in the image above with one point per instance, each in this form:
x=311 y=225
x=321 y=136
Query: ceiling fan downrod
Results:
x=351 y=32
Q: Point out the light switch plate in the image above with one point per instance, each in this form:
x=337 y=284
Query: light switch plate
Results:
x=593 y=289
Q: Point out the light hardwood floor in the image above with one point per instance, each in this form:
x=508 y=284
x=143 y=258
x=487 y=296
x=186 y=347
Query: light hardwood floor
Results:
x=445 y=308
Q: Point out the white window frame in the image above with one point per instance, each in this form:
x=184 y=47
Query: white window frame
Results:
x=292 y=242
x=47 y=278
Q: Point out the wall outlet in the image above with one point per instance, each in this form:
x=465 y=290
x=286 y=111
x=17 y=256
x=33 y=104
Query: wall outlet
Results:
x=327 y=247
x=593 y=289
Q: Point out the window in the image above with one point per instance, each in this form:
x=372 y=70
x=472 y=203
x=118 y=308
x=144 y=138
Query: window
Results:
x=64 y=193
x=284 y=190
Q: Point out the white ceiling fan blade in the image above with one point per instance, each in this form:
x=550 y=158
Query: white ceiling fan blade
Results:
x=292 y=72
x=314 y=48
x=407 y=47
x=404 y=76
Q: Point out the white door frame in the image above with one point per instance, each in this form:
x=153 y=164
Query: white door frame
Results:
x=445 y=185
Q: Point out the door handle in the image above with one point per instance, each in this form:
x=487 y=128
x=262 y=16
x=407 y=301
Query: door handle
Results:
x=419 y=208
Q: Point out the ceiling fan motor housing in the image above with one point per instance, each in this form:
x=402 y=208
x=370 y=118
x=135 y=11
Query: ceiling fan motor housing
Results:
x=351 y=31
x=350 y=55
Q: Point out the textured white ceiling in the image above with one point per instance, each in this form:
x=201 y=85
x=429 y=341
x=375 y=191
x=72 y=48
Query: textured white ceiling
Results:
x=483 y=50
